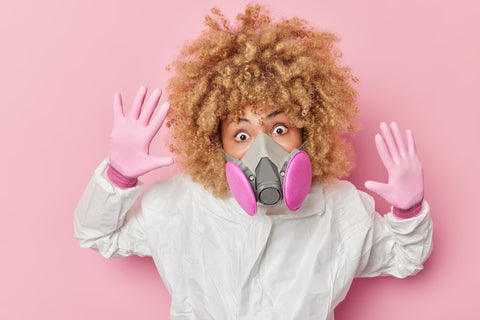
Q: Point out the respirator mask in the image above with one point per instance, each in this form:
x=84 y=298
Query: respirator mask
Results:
x=267 y=174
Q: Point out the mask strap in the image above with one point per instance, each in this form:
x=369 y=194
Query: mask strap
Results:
x=302 y=147
x=228 y=158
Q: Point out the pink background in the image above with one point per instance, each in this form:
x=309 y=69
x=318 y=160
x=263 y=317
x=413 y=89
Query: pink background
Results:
x=61 y=62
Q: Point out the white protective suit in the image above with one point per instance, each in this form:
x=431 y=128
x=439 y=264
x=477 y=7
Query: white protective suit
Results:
x=219 y=263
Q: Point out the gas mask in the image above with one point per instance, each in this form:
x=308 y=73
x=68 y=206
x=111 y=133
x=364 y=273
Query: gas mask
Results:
x=267 y=174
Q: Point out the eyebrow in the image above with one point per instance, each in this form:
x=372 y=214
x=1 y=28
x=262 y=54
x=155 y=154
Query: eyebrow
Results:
x=271 y=115
x=274 y=113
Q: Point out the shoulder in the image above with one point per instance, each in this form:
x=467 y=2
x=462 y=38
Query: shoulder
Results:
x=340 y=190
x=347 y=203
x=176 y=194
x=338 y=187
x=167 y=192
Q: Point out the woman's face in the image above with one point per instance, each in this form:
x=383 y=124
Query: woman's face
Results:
x=237 y=136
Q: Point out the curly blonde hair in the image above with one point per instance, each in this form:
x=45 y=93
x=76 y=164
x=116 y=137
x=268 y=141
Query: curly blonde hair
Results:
x=260 y=64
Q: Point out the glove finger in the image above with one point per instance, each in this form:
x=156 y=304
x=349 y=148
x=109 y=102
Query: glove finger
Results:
x=377 y=187
x=412 y=149
x=398 y=138
x=149 y=108
x=392 y=147
x=137 y=103
x=383 y=152
x=117 y=106
x=158 y=119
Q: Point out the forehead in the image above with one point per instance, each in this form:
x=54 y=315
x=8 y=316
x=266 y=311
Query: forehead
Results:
x=250 y=113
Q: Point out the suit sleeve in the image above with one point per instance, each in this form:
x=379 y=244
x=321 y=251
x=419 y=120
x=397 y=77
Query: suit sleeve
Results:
x=109 y=219
x=393 y=246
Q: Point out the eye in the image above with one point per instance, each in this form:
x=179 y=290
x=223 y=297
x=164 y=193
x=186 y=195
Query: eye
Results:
x=241 y=136
x=279 y=130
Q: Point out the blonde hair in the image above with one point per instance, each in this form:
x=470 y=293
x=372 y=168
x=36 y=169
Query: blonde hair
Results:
x=260 y=63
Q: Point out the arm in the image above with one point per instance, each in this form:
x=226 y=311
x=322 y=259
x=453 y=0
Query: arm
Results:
x=400 y=242
x=106 y=218
x=393 y=246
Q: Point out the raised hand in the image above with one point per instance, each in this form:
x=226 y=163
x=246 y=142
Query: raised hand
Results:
x=404 y=189
x=132 y=134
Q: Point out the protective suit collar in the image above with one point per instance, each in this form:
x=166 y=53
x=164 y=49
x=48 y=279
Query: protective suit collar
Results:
x=230 y=210
x=314 y=204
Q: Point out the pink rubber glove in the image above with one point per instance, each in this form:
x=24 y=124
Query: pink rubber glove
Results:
x=404 y=189
x=131 y=137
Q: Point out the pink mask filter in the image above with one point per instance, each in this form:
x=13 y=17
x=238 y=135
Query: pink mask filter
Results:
x=267 y=174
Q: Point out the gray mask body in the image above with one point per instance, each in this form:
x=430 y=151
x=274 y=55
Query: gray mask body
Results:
x=264 y=165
